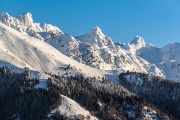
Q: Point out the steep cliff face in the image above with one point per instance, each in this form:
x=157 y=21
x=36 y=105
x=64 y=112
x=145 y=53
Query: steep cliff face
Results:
x=26 y=19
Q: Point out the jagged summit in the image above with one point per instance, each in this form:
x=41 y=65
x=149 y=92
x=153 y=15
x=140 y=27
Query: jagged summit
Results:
x=138 y=41
x=26 y=19
x=4 y=14
x=24 y=23
x=25 y=14
x=96 y=31
x=49 y=28
x=96 y=37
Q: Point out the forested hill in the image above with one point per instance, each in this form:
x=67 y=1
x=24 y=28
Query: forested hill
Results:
x=163 y=93
x=19 y=99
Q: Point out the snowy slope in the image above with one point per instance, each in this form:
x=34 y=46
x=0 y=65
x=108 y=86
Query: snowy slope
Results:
x=21 y=50
x=70 y=108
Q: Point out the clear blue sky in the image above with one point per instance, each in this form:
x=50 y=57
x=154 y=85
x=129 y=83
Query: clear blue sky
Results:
x=157 y=21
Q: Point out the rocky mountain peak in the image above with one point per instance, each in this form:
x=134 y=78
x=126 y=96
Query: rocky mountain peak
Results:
x=4 y=14
x=26 y=19
x=138 y=41
x=96 y=31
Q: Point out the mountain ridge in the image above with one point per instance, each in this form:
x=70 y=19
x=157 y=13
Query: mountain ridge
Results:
x=98 y=50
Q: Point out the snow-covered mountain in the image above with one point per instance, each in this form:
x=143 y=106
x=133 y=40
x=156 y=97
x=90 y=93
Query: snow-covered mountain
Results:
x=24 y=23
x=21 y=50
x=98 y=50
x=166 y=58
